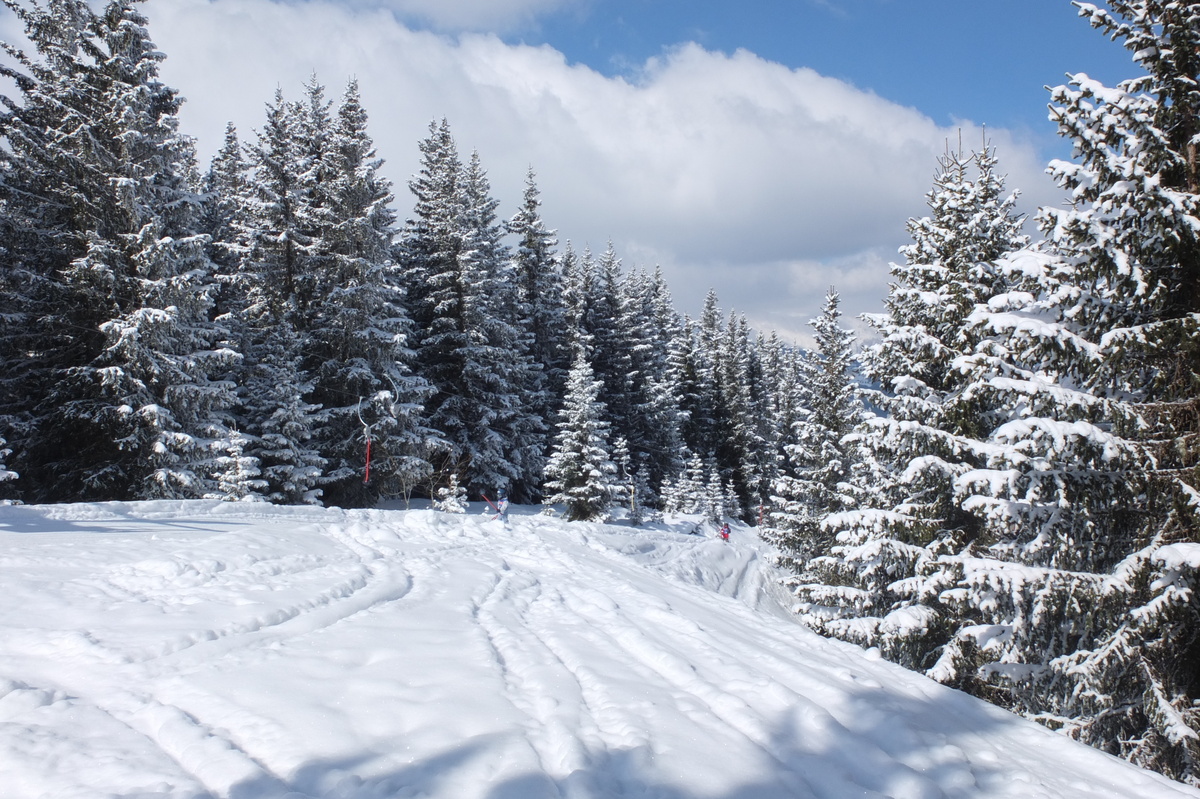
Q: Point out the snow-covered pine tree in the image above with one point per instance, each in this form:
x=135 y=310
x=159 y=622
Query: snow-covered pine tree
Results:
x=512 y=443
x=577 y=272
x=688 y=492
x=580 y=472
x=431 y=238
x=783 y=373
x=471 y=349
x=270 y=249
x=126 y=403
x=355 y=349
x=720 y=499
x=610 y=346
x=280 y=422
x=221 y=220
x=238 y=477
x=1085 y=599
x=745 y=450
x=814 y=481
x=877 y=578
x=273 y=241
x=655 y=424
x=692 y=356
x=540 y=309
x=451 y=498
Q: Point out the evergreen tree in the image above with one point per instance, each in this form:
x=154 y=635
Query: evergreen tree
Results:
x=1088 y=490
x=451 y=498
x=814 y=482
x=471 y=349
x=280 y=422
x=879 y=571
x=511 y=450
x=222 y=221
x=742 y=402
x=270 y=247
x=654 y=424
x=238 y=474
x=123 y=400
x=356 y=349
x=540 y=308
x=580 y=472
x=689 y=491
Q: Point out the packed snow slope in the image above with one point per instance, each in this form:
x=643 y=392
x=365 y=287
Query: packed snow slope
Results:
x=208 y=649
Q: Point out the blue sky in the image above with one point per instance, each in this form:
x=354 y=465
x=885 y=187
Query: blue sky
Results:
x=987 y=62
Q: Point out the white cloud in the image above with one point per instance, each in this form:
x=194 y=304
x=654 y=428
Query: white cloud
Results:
x=764 y=182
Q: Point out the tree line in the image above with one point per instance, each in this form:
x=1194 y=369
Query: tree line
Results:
x=267 y=329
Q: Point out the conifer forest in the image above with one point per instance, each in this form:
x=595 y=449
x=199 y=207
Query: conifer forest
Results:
x=999 y=488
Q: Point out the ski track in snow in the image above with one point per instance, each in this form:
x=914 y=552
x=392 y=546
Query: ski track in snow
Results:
x=207 y=650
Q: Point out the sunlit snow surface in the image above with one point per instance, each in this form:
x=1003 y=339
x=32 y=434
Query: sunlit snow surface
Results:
x=222 y=650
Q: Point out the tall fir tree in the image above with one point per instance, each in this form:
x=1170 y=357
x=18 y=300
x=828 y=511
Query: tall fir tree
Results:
x=1088 y=493
x=580 y=472
x=270 y=251
x=471 y=344
x=878 y=575
x=654 y=428
x=540 y=308
x=814 y=482
x=357 y=340
x=123 y=400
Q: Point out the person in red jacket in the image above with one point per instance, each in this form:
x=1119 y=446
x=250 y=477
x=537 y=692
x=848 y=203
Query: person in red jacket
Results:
x=725 y=531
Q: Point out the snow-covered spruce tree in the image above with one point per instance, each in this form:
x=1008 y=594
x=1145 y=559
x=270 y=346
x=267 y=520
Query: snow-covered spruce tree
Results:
x=691 y=358
x=273 y=240
x=877 y=578
x=34 y=225
x=814 y=480
x=610 y=353
x=718 y=380
x=125 y=404
x=280 y=422
x=238 y=478
x=355 y=349
x=271 y=249
x=511 y=383
x=655 y=424
x=221 y=221
x=580 y=472
x=451 y=498
x=540 y=309
x=688 y=492
x=783 y=373
x=745 y=451
x=1085 y=597
x=720 y=498
x=471 y=347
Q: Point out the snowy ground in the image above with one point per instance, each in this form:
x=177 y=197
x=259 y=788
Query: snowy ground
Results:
x=217 y=650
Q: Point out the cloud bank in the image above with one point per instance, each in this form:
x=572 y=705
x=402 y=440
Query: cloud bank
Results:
x=731 y=172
